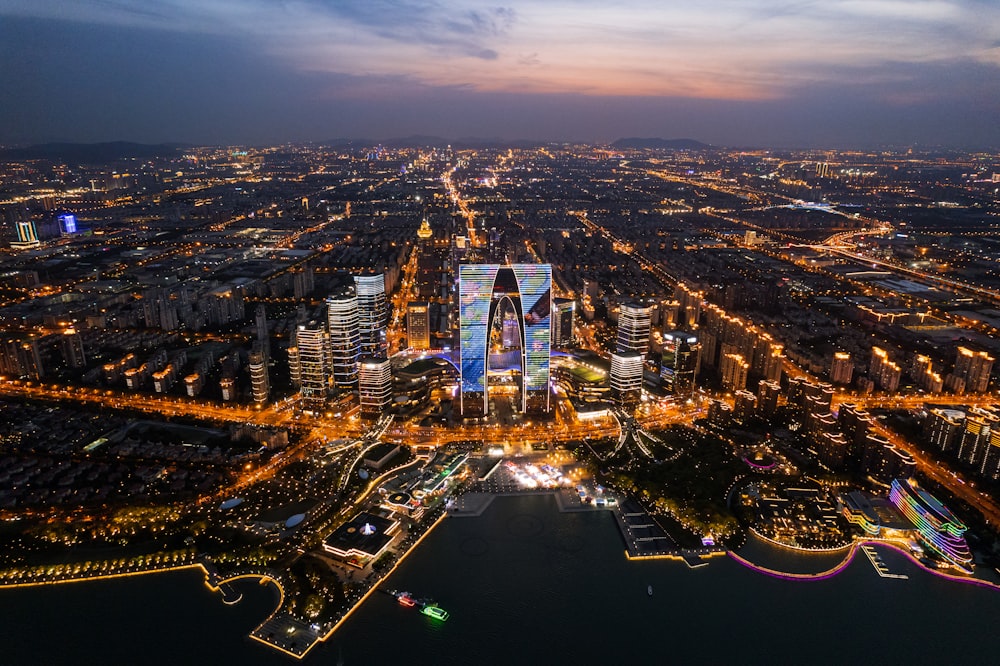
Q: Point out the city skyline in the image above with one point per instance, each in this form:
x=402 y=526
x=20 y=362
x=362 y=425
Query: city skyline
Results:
x=845 y=74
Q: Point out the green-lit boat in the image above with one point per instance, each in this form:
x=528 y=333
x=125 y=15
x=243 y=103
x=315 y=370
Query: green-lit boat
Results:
x=435 y=612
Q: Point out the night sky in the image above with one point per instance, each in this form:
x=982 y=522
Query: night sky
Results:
x=835 y=73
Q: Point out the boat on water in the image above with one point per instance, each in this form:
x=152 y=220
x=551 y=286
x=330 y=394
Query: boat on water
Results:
x=435 y=612
x=649 y=590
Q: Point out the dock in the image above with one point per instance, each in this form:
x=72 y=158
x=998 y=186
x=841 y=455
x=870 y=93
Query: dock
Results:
x=879 y=564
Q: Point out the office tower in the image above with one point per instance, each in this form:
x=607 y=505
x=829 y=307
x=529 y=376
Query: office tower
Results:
x=342 y=317
x=974 y=369
x=733 y=369
x=312 y=344
x=418 y=325
x=633 y=328
x=486 y=292
x=564 y=313
x=680 y=362
x=373 y=314
x=374 y=386
x=842 y=368
x=260 y=383
x=626 y=377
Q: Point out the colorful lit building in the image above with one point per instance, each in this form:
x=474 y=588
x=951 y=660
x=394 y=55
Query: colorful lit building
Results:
x=487 y=292
x=937 y=527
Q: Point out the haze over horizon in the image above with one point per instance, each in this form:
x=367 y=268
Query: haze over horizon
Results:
x=842 y=73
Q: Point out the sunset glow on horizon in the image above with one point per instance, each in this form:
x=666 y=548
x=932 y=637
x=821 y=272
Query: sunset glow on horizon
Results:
x=891 y=52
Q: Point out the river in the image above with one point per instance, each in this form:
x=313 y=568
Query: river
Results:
x=525 y=584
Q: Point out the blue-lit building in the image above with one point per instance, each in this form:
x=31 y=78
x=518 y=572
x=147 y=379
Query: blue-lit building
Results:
x=489 y=294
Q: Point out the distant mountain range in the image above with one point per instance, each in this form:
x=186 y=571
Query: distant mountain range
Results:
x=669 y=144
x=421 y=141
x=91 y=153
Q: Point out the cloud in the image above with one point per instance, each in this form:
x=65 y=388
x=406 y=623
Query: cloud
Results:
x=718 y=49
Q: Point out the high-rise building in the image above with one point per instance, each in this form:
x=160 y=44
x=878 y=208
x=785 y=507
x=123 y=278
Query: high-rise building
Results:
x=633 y=328
x=922 y=372
x=883 y=371
x=974 y=368
x=345 y=340
x=976 y=435
x=990 y=469
x=680 y=362
x=263 y=338
x=418 y=325
x=842 y=368
x=72 y=349
x=374 y=386
x=626 y=377
x=943 y=428
x=767 y=397
x=486 y=292
x=733 y=369
x=564 y=312
x=227 y=386
x=260 y=383
x=373 y=314
x=312 y=345
x=744 y=406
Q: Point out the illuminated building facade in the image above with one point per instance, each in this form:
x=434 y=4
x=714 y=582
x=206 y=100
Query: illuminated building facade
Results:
x=313 y=363
x=883 y=371
x=563 y=315
x=345 y=339
x=27 y=235
x=374 y=386
x=974 y=369
x=680 y=362
x=486 y=291
x=373 y=314
x=626 y=377
x=633 y=327
x=260 y=383
x=67 y=224
x=418 y=325
x=734 y=369
x=937 y=527
x=842 y=368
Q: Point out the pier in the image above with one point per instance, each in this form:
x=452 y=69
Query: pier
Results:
x=879 y=564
